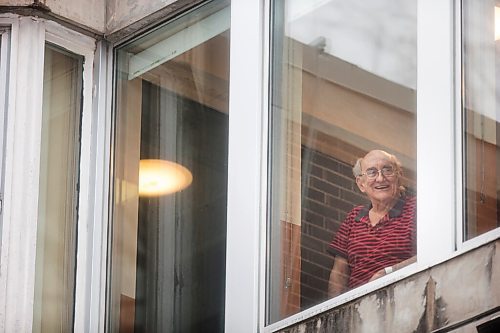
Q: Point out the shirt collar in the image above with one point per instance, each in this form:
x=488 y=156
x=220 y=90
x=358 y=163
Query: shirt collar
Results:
x=395 y=211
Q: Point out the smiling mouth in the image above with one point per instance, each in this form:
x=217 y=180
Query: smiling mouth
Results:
x=381 y=187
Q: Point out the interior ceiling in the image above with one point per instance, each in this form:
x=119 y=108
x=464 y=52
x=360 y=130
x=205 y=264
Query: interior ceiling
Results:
x=200 y=74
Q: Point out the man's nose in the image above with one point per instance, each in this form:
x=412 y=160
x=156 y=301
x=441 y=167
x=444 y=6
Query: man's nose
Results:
x=379 y=175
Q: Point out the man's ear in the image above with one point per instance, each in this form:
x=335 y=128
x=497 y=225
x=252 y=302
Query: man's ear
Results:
x=360 y=184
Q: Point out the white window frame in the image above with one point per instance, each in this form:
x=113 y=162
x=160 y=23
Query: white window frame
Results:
x=21 y=178
x=4 y=86
x=439 y=155
x=29 y=36
x=463 y=245
x=246 y=190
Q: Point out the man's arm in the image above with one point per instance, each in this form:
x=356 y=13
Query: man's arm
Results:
x=400 y=265
x=339 y=276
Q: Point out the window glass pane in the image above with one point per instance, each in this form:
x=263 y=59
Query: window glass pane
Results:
x=58 y=196
x=481 y=113
x=169 y=215
x=343 y=84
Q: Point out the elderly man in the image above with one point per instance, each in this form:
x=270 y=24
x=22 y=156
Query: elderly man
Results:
x=375 y=240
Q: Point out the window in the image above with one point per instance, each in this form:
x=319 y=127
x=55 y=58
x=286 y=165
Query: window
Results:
x=480 y=116
x=170 y=177
x=343 y=77
x=46 y=219
x=58 y=194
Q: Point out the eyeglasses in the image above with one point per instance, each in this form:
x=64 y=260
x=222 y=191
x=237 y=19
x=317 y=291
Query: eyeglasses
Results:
x=372 y=173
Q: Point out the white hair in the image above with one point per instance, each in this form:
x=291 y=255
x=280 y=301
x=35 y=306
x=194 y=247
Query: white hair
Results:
x=356 y=169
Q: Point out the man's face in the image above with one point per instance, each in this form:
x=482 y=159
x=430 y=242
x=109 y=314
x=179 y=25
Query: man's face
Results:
x=378 y=188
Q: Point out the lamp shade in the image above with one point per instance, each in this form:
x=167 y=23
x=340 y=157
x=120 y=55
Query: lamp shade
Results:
x=160 y=177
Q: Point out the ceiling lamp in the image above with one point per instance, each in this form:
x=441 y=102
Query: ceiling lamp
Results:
x=160 y=177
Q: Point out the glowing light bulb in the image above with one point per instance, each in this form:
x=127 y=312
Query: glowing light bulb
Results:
x=160 y=177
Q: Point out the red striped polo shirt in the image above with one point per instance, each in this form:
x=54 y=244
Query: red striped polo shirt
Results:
x=369 y=249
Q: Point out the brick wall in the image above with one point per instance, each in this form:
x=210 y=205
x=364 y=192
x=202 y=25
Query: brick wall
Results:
x=329 y=191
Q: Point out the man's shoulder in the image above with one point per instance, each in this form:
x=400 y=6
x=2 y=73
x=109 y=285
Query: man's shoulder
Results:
x=357 y=212
x=410 y=200
x=410 y=208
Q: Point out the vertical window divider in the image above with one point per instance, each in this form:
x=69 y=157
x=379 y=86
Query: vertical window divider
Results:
x=4 y=70
x=101 y=125
x=264 y=189
x=22 y=167
x=459 y=126
x=244 y=205
x=436 y=188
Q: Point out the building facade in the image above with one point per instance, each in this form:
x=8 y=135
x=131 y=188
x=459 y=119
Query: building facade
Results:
x=182 y=166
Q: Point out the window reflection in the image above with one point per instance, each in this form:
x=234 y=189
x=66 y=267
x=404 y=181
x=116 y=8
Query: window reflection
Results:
x=481 y=78
x=169 y=216
x=344 y=80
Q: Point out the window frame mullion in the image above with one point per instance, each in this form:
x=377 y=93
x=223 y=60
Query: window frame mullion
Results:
x=436 y=138
x=245 y=213
x=22 y=167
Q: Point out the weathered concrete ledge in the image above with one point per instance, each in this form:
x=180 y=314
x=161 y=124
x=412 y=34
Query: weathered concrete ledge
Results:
x=448 y=295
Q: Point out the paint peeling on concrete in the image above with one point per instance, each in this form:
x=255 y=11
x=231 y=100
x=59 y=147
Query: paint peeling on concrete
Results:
x=460 y=288
x=489 y=265
x=465 y=283
x=406 y=314
x=434 y=315
x=495 y=275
